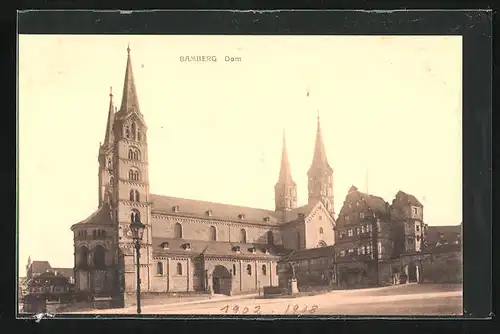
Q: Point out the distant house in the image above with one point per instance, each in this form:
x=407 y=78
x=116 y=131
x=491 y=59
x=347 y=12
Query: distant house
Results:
x=43 y=279
x=36 y=268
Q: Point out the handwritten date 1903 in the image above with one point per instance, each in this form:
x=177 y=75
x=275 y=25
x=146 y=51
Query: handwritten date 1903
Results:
x=256 y=309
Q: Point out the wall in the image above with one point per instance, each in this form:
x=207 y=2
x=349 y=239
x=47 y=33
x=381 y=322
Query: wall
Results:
x=318 y=219
x=289 y=233
x=199 y=229
x=386 y=248
x=443 y=268
x=193 y=280
x=356 y=274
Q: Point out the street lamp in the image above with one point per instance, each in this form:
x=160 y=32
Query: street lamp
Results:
x=137 y=229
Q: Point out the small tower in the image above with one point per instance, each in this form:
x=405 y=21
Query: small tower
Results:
x=320 y=175
x=285 y=190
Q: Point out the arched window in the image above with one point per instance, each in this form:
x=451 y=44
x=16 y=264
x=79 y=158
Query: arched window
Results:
x=320 y=230
x=99 y=257
x=159 y=268
x=179 y=268
x=137 y=196
x=243 y=236
x=135 y=216
x=234 y=270
x=249 y=269
x=270 y=237
x=94 y=234
x=264 y=270
x=109 y=163
x=132 y=195
x=134 y=175
x=139 y=136
x=133 y=130
x=83 y=256
x=178 y=231
x=103 y=234
x=213 y=233
x=127 y=132
x=134 y=154
x=321 y=243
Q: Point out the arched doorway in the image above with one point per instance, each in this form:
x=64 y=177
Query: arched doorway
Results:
x=221 y=280
x=412 y=273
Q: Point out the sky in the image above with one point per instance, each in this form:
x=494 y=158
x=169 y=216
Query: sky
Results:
x=390 y=110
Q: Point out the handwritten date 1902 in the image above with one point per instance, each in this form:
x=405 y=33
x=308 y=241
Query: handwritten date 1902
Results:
x=256 y=309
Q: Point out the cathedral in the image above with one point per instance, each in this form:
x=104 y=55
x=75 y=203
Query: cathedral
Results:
x=189 y=245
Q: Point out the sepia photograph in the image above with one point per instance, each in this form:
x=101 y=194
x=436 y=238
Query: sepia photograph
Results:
x=240 y=175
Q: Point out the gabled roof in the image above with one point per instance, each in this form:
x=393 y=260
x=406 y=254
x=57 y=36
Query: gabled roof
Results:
x=199 y=209
x=102 y=216
x=39 y=267
x=293 y=215
x=310 y=253
x=215 y=248
x=375 y=203
x=403 y=197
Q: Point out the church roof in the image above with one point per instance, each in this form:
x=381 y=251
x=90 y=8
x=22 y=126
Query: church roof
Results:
x=293 y=215
x=319 y=158
x=215 y=248
x=285 y=170
x=101 y=216
x=130 y=102
x=200 y=209
x=108 y=136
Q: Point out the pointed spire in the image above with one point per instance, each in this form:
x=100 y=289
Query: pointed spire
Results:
x=129 y=97
x=285 y=171
x=108 y=137
x=319 y=158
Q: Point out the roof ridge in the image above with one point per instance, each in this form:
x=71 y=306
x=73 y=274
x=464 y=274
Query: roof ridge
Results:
x=209 y=202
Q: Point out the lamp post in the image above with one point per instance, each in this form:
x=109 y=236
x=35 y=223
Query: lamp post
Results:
x=137 y=229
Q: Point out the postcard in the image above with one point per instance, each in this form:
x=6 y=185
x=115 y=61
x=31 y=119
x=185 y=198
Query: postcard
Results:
x=240 y=175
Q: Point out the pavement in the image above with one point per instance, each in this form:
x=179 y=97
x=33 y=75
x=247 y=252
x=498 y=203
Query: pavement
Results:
x=408 y=299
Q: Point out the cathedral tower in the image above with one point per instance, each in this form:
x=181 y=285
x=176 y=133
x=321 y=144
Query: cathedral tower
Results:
x=320 y=175
x=130 y=183
x=285 y=190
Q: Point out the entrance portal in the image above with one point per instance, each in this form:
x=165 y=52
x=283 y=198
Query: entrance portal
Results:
x=412 y=273
x=221 y=280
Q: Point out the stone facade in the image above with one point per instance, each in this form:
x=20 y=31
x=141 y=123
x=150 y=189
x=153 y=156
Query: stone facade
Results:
x=188 y=246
